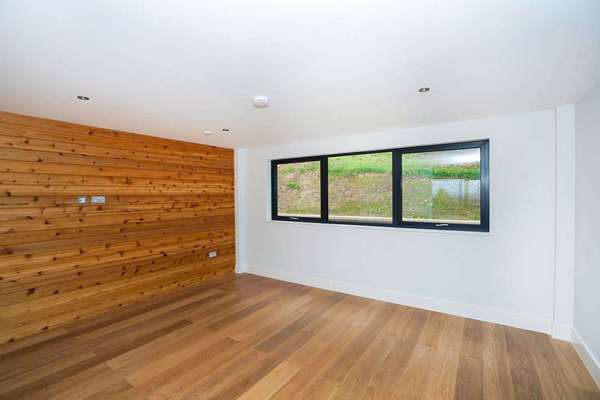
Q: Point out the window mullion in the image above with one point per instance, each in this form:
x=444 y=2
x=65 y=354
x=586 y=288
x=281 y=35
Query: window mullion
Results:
x=324 y=190
x=396 y=187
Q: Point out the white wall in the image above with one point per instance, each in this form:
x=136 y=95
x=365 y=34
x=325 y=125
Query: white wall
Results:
x=520 y=274
x=506 y=276
x=587 y=223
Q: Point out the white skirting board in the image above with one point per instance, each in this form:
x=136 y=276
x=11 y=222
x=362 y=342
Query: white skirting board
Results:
x=486 y=314
x=590 y=361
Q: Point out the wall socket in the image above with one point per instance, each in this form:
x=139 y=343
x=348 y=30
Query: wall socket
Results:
x=212 y=254
x=98 y=199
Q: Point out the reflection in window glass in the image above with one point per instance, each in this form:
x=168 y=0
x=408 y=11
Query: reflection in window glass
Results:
x=442 y=186
x=299 y=189
x=360 y=188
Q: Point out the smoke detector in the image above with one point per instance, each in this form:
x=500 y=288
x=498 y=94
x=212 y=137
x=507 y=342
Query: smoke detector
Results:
x=260 y=101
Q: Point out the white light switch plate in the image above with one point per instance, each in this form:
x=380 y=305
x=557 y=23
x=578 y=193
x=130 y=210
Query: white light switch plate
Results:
x=81 y=199
x=98 y=199
x=212 y=254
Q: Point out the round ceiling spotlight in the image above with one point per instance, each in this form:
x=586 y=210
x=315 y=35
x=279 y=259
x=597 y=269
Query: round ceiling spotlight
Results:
x=83 y=98
x=207 y=133
x=225 y=130
x=424 y=90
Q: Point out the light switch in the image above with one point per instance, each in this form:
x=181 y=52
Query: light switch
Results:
x=212 y=254
x=81 y=199
x=98 y=199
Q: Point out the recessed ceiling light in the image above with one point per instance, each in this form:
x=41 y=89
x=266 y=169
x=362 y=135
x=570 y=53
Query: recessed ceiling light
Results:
x=207 y=132
x=225 y=130
x=84 y=98
x=424 y=90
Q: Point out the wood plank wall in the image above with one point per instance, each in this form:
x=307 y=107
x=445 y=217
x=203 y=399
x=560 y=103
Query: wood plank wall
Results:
x=168 y=204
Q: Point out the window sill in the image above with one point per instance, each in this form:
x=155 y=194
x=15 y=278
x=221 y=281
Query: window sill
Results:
x=388 y=228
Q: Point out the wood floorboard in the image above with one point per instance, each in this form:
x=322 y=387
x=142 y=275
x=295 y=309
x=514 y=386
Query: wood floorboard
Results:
x=253 y=338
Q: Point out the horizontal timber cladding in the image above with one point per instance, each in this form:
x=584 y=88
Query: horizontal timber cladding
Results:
x=168 y=203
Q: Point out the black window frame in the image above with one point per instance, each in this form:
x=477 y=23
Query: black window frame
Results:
x=484 y=186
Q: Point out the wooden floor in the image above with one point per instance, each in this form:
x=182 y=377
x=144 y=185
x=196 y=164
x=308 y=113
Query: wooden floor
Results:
x=254 y=338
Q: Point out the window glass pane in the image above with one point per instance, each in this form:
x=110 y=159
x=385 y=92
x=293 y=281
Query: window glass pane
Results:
x=360 y=188
x=441 y=186
x=299 y=189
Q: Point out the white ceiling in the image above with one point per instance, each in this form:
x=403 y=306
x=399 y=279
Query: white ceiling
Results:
x=177 y=68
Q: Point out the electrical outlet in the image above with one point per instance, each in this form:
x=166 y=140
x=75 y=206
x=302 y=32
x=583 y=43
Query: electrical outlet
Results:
x=98 y=199
x=212 y=254
x=81 y=199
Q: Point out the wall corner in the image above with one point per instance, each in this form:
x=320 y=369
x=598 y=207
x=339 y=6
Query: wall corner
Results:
x=564 y=265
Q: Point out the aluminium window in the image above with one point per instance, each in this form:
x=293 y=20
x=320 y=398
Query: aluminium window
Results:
x=442 y=186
